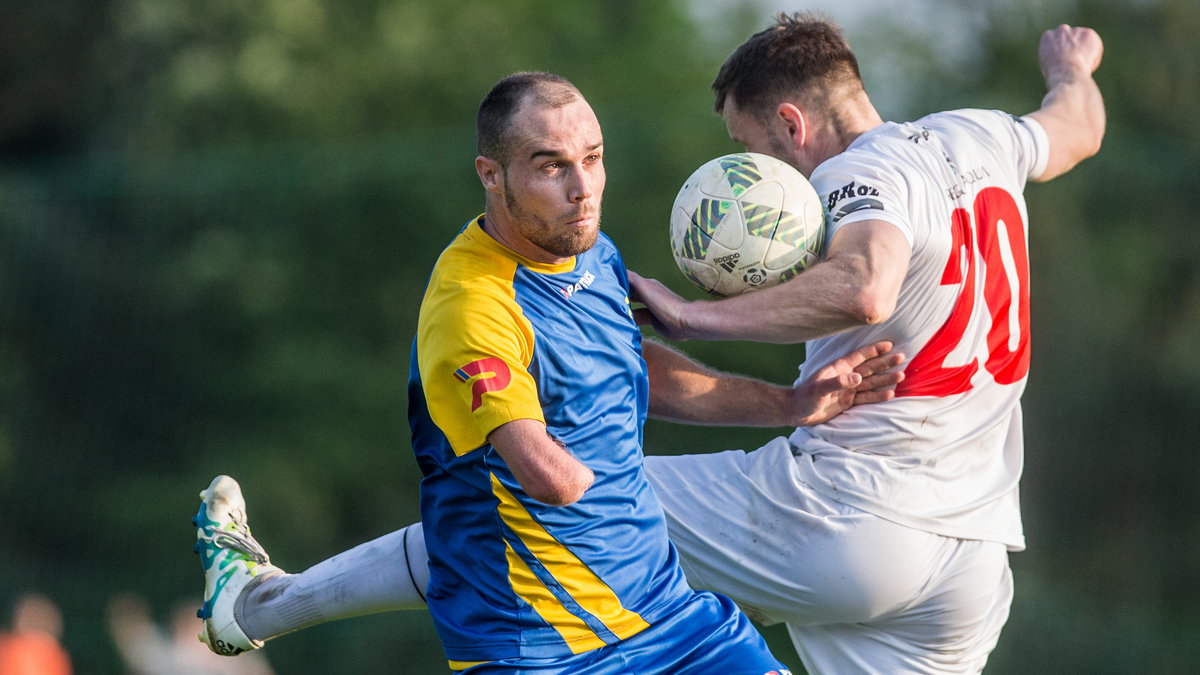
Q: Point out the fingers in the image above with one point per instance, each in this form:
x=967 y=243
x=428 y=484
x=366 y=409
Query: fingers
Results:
x=643 y=317
x=834 y=384
x=885 y=381
x=878 y=372
x=876 y=360
x=879 y=364
x=875 y=350
x=878 y=396
x=635 y=281
x=859 y=359
x=1069 y=47
x=848 y=381
x=642 y=289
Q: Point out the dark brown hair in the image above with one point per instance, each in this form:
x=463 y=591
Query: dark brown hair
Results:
x=802 y=55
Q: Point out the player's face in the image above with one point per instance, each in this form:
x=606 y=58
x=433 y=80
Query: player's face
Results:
x=758 y=136
x=554 y=180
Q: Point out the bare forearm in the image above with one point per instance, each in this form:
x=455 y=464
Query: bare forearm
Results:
x=686 y=391
x=1073 y=116
x=1072 y=112
x=822 y=301
x=857 y=284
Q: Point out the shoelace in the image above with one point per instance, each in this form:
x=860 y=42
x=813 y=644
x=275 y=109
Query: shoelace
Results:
x=237 y=541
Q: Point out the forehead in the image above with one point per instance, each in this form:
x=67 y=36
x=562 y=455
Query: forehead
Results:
x=567 y=129
x=743 y=127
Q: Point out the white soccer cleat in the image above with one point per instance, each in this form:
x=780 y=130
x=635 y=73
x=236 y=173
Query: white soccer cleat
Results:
x=233 y=564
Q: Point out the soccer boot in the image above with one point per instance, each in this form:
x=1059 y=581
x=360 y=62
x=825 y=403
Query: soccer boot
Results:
x=233 y=564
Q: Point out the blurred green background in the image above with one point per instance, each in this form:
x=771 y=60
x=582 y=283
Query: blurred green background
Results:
x=216 y=219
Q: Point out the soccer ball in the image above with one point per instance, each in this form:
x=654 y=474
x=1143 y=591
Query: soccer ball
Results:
x=745 y=221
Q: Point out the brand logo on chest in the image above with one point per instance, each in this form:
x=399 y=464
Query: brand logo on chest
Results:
x=583 y=284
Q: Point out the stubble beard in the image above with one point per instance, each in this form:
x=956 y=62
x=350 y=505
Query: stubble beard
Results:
x=558 y=240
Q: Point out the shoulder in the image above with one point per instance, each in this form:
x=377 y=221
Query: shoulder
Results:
x=875 y=165
x=469 y=256
x=978 y=122
x=1009 y=139
x=470 y=280
x=986 y=127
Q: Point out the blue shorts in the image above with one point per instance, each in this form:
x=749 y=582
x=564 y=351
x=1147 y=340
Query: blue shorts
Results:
x=710 y=635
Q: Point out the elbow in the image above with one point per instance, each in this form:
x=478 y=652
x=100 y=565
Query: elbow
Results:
x=565 y=491
x=1098 y=123
x=1088 y=145
x=870 y=284
x=870 y=307
x=1094 y=148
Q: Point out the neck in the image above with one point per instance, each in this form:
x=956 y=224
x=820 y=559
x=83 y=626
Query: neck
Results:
x=500 y=230
x=842 y=126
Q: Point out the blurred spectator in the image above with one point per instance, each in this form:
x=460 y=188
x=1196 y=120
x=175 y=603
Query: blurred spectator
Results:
x=148 y=649
x=31 y=646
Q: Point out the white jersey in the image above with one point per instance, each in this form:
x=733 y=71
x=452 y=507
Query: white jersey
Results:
x=946 y=454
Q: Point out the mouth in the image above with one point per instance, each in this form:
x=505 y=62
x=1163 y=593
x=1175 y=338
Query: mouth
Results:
x=583 y=221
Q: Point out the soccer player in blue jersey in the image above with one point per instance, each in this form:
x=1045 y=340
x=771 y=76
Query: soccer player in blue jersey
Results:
x=529 y=386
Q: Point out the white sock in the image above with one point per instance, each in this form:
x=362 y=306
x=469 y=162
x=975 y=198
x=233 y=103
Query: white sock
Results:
x=384 y=574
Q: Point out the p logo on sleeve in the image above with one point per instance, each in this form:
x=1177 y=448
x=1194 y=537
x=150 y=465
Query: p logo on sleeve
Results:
x=487 y=374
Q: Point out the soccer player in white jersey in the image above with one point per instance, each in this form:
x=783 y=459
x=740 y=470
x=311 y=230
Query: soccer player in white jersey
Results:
x=880 y=537
x=890 y=524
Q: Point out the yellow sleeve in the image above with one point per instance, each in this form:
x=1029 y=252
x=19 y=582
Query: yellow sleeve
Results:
x=474 y=347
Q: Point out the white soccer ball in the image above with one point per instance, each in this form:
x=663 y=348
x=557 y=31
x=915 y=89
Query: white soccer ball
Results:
x=746 y=221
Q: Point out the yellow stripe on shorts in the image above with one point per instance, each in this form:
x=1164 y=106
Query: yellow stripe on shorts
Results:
x=576 y=578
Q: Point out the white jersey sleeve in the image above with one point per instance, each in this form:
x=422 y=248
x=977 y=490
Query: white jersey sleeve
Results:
x=945 y=455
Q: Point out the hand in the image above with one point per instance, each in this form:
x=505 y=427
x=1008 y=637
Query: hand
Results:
x=862 y=376
x=1068 y=51
x=664 y=309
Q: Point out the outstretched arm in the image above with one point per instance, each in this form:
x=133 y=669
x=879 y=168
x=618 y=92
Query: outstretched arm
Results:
x=857 y=284
x=1072 y=112
x=684 y=390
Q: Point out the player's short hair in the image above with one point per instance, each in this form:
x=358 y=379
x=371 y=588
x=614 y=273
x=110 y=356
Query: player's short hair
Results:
x=802 y=55
x=498 y=107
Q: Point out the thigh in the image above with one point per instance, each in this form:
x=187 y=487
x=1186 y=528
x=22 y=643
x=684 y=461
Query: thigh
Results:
x=952 y=626
x=746 y=526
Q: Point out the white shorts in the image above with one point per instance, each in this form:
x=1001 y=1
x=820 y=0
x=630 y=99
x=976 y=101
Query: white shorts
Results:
x=858 y=593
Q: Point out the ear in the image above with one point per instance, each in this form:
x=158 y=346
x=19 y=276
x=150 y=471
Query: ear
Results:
x=491 y=174
x=794 y=122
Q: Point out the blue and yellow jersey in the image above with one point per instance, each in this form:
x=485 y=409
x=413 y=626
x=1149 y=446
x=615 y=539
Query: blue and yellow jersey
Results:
x=501 y=337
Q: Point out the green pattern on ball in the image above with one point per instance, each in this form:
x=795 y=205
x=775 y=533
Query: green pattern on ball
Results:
x=741 y=172
x=772 y=223
x=705 y=221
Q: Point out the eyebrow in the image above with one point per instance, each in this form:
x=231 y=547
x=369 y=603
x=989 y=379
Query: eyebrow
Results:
x=546 y=152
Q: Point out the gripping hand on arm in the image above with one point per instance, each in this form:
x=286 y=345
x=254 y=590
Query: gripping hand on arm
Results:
x=866 y=375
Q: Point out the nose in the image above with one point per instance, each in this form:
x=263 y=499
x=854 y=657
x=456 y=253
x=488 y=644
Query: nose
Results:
x=582 y=185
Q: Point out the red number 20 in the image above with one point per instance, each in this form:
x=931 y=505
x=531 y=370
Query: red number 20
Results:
x=927 y=374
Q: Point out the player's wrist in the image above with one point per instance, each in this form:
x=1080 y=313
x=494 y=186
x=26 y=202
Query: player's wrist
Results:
x=700 y=320
x=803 y=410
